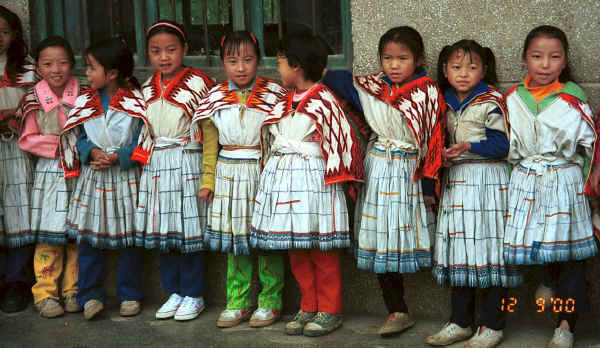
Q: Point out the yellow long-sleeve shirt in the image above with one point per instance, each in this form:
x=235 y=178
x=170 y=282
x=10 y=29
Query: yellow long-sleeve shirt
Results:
x=210 y=145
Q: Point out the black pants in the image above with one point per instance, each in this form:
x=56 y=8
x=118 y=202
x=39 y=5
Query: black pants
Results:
x=490 y=301
x=568 y=281
x=392 y=288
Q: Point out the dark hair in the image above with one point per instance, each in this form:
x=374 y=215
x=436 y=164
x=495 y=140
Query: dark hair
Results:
x=231 y=43
x=406 y=36
x=551 y=32
x=469 y=47
x=115 y=54
x=305 y=51
x=17 y=50
x=55 y=41
x=167 y=26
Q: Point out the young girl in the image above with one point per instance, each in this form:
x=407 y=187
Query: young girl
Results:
x=552 y=134
x=405 y=111
x=100 y=134
x=44 y=112
x=177 y=182
x=237 y=107
x=18 y=74
x=471 y=216
x=300 y=204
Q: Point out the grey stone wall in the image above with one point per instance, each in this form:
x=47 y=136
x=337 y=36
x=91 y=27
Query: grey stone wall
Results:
x=21 y=8
x=500 y=25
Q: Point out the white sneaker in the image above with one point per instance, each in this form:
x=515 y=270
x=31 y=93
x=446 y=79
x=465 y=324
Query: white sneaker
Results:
x=561 y=339
x=263 y=317
x=190 y=308
x=450 y=333
x=488 y=339
x=169 y=308
x=232 y=317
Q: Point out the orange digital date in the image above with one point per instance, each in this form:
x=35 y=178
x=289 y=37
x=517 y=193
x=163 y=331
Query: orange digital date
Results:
x=555 y=304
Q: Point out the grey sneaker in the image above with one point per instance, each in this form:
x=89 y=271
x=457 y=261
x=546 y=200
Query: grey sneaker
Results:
x=91 y=308
x=450 y=333
x=488 y=339
x=49 y=308
x=396 y=323
x=71 y=305
x=561 y=339
x=296 y=326
x=130 y=308
x=322 y=324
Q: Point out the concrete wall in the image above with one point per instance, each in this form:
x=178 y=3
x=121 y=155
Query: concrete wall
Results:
x=501 y=25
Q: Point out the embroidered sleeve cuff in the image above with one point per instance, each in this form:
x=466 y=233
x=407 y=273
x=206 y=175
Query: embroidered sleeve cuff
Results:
x=140 y=155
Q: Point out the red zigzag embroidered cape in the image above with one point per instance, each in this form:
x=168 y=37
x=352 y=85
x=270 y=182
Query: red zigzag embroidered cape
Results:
x=423 y=107
x=339 y=145
x=28 y=77
x=263 y=97
x=128 y=100
x=185 y=91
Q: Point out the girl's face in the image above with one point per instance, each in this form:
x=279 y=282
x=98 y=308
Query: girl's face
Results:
x=545 y=59
x=398 y=62
x=6 y=35
x=289 y=76
x=166 y=54
x=464 y=71
x=240 y=65
x=55 y=67
x=94 y=71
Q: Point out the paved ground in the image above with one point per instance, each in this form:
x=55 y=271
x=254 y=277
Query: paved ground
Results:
x=28 y=330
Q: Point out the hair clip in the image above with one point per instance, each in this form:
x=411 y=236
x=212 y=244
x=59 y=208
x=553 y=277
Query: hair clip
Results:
x=223 y=39
x=253 y=38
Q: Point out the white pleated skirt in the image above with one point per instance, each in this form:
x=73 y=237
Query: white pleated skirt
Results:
x=102 y=207
x=15 y=187
x=470 y=227
x=170 y=216
x=294 y=209
x=393 y=226
x=236 y=181
x=549 y=217
x=50 y=201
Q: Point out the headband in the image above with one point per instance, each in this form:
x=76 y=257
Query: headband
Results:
x=225 y=37
x=165 y=24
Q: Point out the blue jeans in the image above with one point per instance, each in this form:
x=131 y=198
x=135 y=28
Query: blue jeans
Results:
x=182 y=274
x=91 y=267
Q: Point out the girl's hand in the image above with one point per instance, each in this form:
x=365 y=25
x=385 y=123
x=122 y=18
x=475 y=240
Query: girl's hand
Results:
x=206 y=195
x=101 y=160
x=457 y=149
x=445 y=160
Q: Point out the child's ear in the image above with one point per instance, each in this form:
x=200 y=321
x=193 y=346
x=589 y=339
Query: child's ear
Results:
x=445 y=69
x=185 y=49
x=112 y=74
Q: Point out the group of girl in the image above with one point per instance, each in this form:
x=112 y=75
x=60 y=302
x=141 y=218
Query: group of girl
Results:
x=254 y=167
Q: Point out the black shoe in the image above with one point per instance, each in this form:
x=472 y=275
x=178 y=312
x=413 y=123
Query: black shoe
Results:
x=16 y=298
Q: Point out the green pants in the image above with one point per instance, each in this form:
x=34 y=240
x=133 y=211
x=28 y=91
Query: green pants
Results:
x=239 y=279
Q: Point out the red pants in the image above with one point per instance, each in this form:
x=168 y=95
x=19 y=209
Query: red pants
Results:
x=319 y=277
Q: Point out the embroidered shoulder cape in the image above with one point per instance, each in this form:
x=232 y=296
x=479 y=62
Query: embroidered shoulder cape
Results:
x=339 y=146
x=28 y=77
x=128 y=100
x=263 y=97
x=423 y=106
x=185 y=91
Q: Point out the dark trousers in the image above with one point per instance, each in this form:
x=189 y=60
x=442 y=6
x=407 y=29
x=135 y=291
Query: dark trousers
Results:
x=568 y=281
x=392 y=288
x=182 y=274
x=91 y=268
x=490 y=301
x=16 y=265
